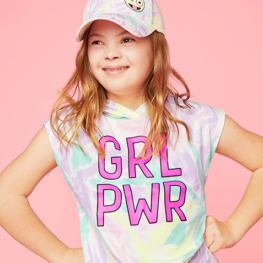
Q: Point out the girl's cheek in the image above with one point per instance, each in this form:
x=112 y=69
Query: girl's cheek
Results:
x=135 y=56
x=93 y=58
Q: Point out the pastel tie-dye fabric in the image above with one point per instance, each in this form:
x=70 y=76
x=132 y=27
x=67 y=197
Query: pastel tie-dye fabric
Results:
x=142 y=210
x=140 y=17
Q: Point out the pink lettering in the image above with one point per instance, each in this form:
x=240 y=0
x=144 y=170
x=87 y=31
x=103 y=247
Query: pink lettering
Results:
x=107 y=208
x=114 y=160
x=174 y=204
x=133 y=161
x=142 y=206
x=166 y=172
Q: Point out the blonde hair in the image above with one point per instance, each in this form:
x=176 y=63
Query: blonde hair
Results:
x=92 y=97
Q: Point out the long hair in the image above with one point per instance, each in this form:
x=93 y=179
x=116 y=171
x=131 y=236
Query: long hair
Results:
x=92 y=97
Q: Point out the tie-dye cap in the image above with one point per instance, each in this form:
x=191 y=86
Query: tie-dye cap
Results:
x=139 y=17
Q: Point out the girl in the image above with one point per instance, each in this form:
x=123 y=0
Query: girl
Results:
x=134 y=151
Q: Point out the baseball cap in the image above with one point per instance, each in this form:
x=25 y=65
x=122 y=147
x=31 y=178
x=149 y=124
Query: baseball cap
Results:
x=139 y=17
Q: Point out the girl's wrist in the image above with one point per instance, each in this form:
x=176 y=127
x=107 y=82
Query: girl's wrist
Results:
x=72 y=255
x=61 y=256
x=236 y=230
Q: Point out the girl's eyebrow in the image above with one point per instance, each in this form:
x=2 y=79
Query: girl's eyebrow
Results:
x=98 y=35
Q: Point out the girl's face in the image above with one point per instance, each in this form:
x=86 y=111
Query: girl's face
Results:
x=120 y=61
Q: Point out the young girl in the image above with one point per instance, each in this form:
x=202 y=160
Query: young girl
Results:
x=133 y=150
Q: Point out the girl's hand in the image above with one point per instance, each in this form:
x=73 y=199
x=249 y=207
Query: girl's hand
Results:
x=220 y=235
x=73 y=255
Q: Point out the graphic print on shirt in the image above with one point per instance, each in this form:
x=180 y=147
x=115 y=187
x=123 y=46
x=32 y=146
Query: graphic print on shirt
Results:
x=118 y=241
x=135 y=5
x=135 y=211
x=117 y=161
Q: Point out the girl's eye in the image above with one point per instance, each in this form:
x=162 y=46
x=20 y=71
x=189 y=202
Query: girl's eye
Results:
x=127 y=40
x=96 y=43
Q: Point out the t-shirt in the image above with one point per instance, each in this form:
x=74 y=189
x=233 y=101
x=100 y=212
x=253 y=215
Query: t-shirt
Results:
x=142 y=210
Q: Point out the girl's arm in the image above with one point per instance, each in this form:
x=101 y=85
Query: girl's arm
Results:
x=17 y=181
x=245 y=148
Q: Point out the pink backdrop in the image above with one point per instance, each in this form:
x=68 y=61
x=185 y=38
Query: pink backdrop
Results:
x=215 y=45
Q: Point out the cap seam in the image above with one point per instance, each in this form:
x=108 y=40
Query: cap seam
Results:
x=140 y=21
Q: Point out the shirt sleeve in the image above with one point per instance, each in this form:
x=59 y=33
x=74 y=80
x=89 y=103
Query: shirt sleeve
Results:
x=53 y=140
x=207 y=125
x=216 y=133
x=60 y=153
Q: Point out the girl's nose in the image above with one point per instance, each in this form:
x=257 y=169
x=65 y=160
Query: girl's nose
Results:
x=112 y=53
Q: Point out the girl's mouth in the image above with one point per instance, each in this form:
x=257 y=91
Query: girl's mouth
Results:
x=115 y=70
x=135 y=7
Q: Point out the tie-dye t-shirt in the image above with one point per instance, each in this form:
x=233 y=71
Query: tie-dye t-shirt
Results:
x=142 y=210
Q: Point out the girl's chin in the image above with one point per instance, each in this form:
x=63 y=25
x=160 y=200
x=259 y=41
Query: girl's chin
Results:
x=119 y=87
x=118 y=91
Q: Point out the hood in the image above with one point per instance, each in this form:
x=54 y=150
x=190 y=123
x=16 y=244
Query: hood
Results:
x=118 y=111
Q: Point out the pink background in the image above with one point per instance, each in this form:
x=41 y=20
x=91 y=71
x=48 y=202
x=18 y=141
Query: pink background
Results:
x=215 y=45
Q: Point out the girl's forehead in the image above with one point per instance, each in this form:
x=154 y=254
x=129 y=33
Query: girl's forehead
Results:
x=105 y=26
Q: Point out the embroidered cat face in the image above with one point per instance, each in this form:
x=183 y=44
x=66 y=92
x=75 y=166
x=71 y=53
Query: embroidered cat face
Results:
x=135 y=5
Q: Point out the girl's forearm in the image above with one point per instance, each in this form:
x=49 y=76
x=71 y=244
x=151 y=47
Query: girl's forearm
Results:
x=20 y=221
x=250 y=209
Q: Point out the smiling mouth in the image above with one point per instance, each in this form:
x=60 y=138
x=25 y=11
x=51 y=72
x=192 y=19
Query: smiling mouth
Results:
x=115 y=69
x=135 y=7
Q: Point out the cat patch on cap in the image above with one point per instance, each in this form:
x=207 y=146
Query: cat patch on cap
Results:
x=135 y=5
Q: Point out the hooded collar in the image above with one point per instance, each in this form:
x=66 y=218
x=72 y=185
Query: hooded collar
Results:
x=118 y=111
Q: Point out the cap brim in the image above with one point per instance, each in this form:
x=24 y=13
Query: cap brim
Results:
x=132 y=25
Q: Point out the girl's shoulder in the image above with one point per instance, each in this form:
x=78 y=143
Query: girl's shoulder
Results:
x=61 y=116
x=200 y=118
x=193 y=110
x=54 y=125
